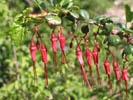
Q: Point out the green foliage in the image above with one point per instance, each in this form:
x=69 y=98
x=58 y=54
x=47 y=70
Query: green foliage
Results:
x=113 y=40
x=129 y=13
x=65 y=81
x=17 y=33
x=128 y=50
x=6 y=54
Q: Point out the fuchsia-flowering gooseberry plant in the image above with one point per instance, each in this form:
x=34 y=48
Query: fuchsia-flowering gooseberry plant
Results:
x=89 y=37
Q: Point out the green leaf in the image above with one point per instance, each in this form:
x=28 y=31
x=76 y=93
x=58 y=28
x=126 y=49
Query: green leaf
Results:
x=127 y=30
x=27 y=10
x=128 y=50
x=52 y=2
x=84 y=14
x=109 y=27
x=121 y=25
x=65 y=2
x=113 y=40
x=19 y=18
x=74 y=27
x=70 y=17
x=75 y=7
x=129 y=57
x=74 y=14
x=54 y=20
x=65 y=11
x=70 y=5
x=98 y=19
x=17 y=33
x=35 y=20
x=129 y=13
x=38 y=1
x=90 y=21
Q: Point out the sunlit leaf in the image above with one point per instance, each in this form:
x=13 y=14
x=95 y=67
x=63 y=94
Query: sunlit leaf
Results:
x=74 y=14
x=84 y=14
x=54 y=20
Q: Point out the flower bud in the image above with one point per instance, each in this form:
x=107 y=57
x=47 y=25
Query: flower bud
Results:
x=124 y=74
x=54 y=41
x=62 y=40
x=44 y=53
x=79 y=55
x=107 y=67
x=116 y=69
x=95 y=56
x=88 y=56
x=33 y=51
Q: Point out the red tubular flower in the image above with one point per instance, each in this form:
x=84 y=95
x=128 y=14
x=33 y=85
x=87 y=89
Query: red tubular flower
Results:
x=80 y=59
x=44 y=59
x=54 y=41
x=95 y=56
x=117 y=74
x=125 y=78
x=107 y=67
x=44 y=53
x=33 y=56
x=79 y=55
x=33 y=51
x=116 y=69
x=88 y=56
x=124 y=74
x=54 y=45
x=62 y=40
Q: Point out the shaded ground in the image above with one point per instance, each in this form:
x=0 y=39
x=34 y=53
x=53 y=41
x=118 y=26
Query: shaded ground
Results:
x=117 y=10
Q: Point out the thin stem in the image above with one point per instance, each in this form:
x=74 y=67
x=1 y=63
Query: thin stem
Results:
x=64 y=60
x=90 y=69
x=35 y=74
x=85 y=77
x=118 y=82
x=46 y=75
x=112 y=54
x=109 y=82
x=54 y=57
x=92 y=78
x=126 y=88
x=74 y=36
x=98 y=74
x=92 y=81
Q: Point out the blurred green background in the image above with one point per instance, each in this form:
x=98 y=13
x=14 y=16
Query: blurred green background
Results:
x=65 y=81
